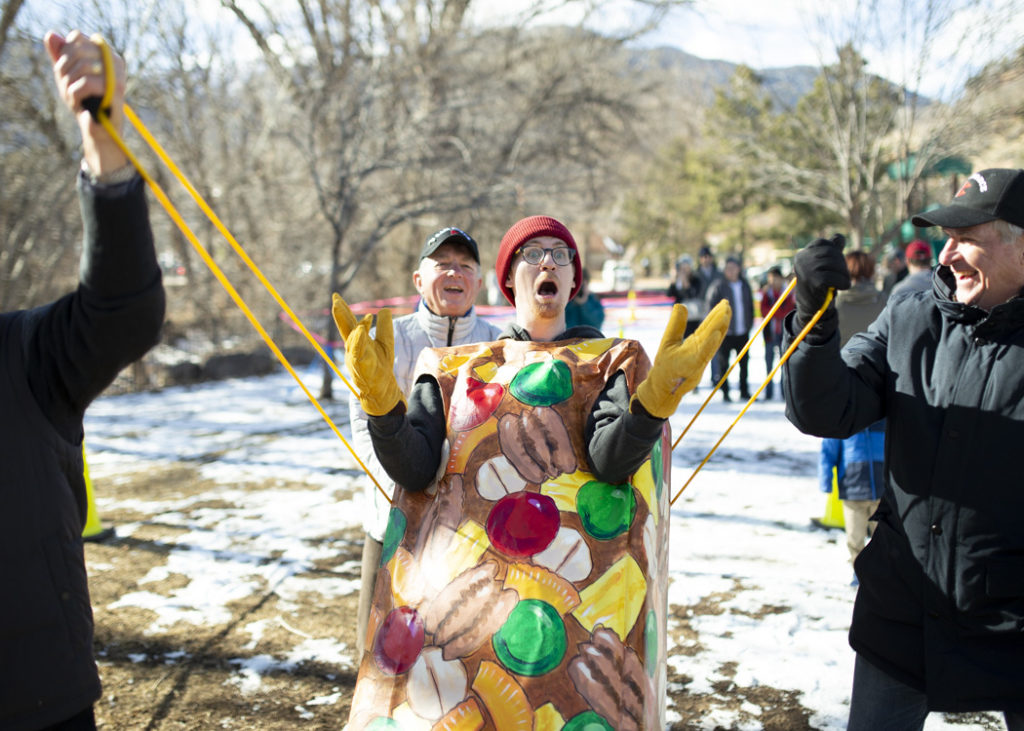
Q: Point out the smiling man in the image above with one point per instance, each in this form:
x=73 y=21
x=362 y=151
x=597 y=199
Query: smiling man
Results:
x=525 y=562
x=938 y=616
x=448 y=280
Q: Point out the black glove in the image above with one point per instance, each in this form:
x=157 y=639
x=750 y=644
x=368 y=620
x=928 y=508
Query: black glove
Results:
x=819 y=266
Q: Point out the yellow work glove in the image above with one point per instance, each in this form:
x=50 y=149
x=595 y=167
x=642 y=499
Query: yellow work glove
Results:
x=679 y=364
x=370 y=360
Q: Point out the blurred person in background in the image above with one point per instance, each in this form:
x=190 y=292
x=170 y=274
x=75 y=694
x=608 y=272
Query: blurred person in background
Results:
x=733 y=287
x=859 y=305
x=770 y=294
x=687 y=288
x=585 y=308
x=855 y=466
x=707 y=267
x=857 y=459
x=919 y=266
x=896 y=271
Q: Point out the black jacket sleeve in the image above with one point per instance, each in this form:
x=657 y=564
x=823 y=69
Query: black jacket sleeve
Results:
x=75 y=346
x=833 y=393
x=619 y=440
x=408 y=442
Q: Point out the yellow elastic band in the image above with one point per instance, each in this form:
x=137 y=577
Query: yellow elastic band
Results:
x=103 y=117
x=785 y=356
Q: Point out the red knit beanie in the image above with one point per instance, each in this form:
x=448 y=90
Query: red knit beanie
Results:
x=525 y=230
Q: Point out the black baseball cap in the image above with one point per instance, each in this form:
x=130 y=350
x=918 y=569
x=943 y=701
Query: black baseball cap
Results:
x=453 y=235
x=996 y=193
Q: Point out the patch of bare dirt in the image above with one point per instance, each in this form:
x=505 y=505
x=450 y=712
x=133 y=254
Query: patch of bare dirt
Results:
x=778 y=710
x=189 y=676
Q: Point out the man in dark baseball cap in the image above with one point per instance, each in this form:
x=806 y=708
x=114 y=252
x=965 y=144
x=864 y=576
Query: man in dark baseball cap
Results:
x=937 y=620
x=448 y=280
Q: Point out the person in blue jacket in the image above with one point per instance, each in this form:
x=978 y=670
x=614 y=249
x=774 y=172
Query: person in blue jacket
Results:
x=858 y=463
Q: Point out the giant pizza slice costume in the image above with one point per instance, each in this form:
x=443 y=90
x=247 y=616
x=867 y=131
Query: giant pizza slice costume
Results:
x=520 y=591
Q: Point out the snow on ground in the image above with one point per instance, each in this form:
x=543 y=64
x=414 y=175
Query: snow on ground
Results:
x=743 y=523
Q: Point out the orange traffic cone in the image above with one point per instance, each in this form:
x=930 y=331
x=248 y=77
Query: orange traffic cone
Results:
x=93 y=530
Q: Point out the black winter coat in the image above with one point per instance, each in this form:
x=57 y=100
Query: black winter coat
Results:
x=53 y=361
x=941 y=598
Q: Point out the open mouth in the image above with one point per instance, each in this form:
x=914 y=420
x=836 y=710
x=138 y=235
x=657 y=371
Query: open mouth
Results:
x=547 y=289
x=454 y=289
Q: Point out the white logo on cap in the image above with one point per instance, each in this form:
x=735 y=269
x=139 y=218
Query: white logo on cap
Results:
x=982 y=185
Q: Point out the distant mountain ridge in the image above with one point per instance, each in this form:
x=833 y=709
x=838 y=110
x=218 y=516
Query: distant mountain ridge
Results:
x=701 y=77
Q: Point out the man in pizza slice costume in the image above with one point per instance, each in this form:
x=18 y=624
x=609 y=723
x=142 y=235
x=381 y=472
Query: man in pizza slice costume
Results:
x=523 y=577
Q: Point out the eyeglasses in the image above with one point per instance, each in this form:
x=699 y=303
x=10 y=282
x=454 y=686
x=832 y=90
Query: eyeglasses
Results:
x=562 y=255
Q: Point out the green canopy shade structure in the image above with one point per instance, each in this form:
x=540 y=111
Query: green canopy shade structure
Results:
x=951 y=165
